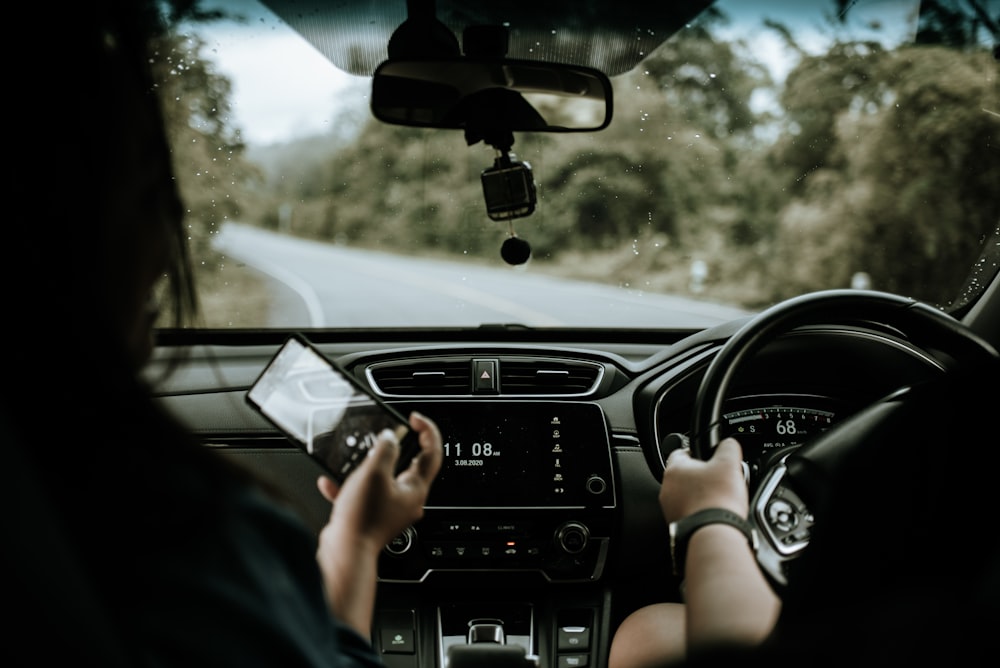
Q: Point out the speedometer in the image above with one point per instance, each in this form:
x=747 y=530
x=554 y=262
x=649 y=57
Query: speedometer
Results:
x=764 y=426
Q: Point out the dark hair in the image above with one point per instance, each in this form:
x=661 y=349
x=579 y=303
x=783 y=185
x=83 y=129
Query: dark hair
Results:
x=98 y=193
x=128 y=37
x=78 y=238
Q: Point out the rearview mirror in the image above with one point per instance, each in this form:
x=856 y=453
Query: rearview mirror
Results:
x=514 y=95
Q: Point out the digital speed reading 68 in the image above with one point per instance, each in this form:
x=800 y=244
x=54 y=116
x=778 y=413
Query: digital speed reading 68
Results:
x=473 y=454
x=763 y=429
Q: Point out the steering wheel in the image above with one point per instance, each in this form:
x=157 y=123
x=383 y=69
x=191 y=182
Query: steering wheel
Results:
x=788 y=498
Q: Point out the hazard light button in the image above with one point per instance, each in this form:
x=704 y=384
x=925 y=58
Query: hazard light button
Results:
x=484 y=374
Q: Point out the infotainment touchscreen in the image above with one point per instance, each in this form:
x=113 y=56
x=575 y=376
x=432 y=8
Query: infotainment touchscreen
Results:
x=513 y=454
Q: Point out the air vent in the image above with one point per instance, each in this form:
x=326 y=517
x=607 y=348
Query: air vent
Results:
x=543 y=376
x=422 y=377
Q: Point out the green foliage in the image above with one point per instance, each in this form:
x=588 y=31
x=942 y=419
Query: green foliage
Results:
x=214 y=180
x=816 y=93
x=706 y=82
x=912 y=150
x=962 y=24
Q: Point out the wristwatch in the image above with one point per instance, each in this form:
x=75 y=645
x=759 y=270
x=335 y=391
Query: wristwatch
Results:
x=681 y=530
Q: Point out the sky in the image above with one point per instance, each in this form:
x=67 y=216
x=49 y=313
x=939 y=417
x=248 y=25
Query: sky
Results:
x=273 y=102
x=304 y=94
x=276 y=101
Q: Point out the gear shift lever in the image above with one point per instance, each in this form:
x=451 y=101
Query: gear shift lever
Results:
x=487 y=648
x=486 y=630
x=490 y=655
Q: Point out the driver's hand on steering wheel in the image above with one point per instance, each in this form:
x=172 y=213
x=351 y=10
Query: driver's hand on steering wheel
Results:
x=690 y=484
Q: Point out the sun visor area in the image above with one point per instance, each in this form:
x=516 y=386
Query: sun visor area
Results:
x=354 y=34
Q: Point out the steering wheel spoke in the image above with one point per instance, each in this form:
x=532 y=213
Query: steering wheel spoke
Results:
x=783 y=521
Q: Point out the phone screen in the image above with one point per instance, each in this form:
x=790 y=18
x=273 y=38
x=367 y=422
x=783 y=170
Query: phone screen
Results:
x=325 y=411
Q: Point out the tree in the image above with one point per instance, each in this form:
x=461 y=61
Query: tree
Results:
x=207 y=151
x=906 y=151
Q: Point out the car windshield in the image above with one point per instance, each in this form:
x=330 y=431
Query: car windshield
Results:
x=756 y=151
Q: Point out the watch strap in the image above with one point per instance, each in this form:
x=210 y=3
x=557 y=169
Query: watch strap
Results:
x=681 y=531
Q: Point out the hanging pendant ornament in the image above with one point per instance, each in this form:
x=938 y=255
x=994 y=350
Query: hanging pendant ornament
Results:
x=515 y=250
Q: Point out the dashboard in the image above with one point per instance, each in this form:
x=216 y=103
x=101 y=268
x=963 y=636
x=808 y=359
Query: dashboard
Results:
x=546 y=504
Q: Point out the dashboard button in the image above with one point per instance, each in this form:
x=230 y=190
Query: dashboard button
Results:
x=574 y=638
x=485 y=376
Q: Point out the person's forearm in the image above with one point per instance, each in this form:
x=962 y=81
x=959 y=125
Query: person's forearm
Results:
x=350 y=573
x=729 y=601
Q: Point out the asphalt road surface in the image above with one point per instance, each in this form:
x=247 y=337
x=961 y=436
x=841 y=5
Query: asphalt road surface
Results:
x=327 y=285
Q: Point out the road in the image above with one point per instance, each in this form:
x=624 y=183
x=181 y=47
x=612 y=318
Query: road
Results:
x=337 y=286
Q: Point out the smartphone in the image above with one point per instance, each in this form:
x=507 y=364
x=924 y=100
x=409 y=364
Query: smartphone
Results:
x=325 y=411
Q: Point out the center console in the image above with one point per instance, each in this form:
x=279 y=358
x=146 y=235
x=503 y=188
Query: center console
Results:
x=524 y=486
x=504 y=567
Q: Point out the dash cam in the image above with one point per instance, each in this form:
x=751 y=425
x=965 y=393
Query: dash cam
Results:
x=509 y=189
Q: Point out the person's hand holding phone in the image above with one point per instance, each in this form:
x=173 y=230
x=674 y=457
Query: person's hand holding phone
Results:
x=373 y=504
x=372 y=507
